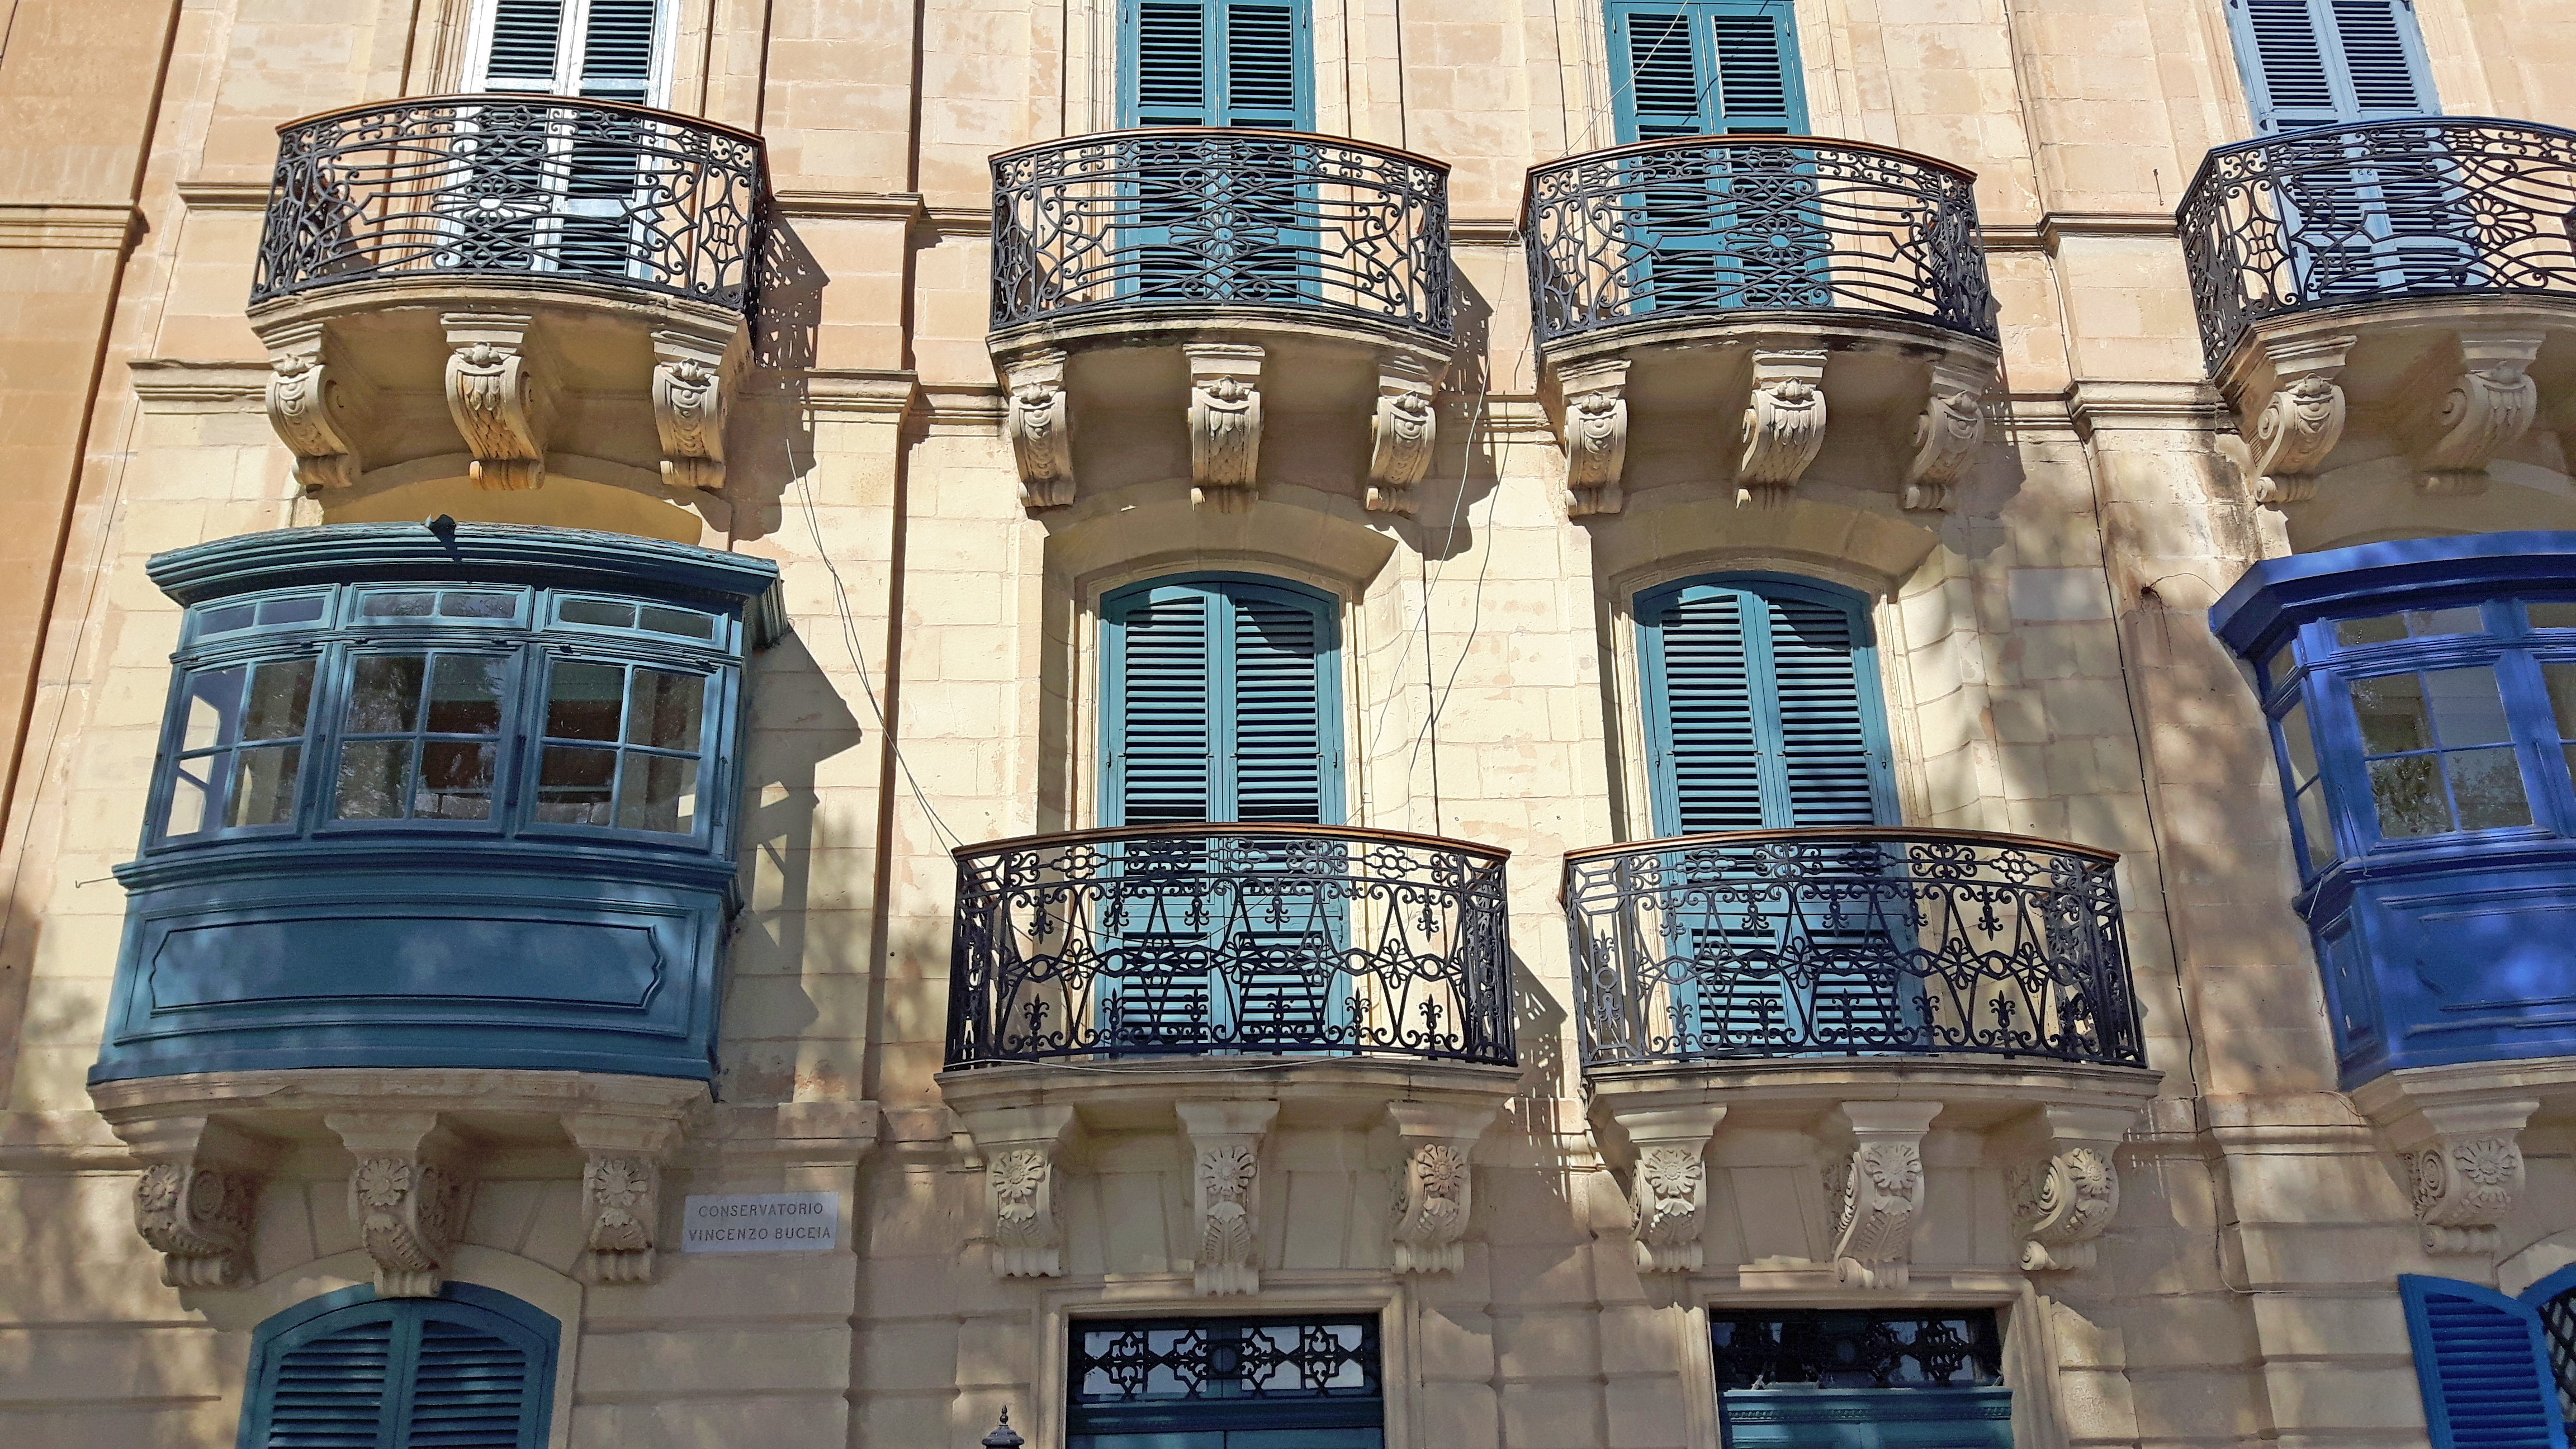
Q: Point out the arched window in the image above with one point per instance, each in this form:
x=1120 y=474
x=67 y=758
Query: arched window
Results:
x=1762 y=706
x=1221 y=703
x=469 y=1367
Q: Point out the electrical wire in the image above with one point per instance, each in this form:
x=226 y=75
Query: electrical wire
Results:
x=859 y=662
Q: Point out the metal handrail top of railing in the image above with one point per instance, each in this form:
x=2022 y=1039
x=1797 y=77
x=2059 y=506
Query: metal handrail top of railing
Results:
x=2216 y=156
x=547 y=99
x=1237 y=133
x=1728 y=142
x=1495 y=854
x=1861 y=833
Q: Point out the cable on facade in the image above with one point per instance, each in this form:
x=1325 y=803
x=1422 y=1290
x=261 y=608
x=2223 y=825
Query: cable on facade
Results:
x=859 y=661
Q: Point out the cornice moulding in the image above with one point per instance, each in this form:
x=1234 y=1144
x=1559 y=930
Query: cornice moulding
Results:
x=224 y=195
x=904 y=206
x=67 y=225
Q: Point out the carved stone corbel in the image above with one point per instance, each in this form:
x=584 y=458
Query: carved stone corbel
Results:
x=1225 y=422
x=499 y=402
x=1023 y=1151
x=1435 y=1184
x=2302 y=420
x=694 y=379
x=2068 y=1193
x=1880 y=1187
x=315 y=399
x=1669 y=1193
x=1225 y=1191
x=1596 y=435
x=1402 y=435
x=2485 y=409
x=2464 y=1166
x=1040 y=423
x=1948 y=434
x=1784 y=424
x=196 y=1201
x=621 y=1193
x=408 y=1195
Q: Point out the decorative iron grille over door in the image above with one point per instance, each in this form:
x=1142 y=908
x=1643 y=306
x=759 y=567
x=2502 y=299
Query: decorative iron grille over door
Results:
x=1224 y=1383
x=1826 y=1379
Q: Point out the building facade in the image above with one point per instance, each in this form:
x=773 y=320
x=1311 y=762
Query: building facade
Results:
x=1268 y=724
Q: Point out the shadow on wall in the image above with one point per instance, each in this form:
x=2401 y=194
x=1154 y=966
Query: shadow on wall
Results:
x=799 y=952
x=770 y=437
x=20 y=931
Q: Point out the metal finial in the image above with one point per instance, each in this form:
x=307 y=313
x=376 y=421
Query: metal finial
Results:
x=1003 y=1435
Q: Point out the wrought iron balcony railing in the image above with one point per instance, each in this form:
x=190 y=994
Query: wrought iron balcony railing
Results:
x=1183 y=940
x=1196 y=219
x=1848 y=942
x=513 y=185
x=1715 y=224
x=2431 y=206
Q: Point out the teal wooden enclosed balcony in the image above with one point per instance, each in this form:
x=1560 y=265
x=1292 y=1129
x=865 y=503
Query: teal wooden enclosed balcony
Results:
x=458 y=796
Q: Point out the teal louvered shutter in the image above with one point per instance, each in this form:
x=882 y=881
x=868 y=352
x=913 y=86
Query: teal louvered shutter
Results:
x=1762 y=707
x=327 y=1390
x=1215 y=63
x=1219 y=704
x=471 y=1369
x=2481 y=1363
x=2330 y=62
x=1705 y=67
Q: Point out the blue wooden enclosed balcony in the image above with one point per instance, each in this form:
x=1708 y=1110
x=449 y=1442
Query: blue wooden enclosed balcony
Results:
x=2422 y=695
x=1806 y=283
x=442 y=795
x=1803 y=945
x=1187 y=941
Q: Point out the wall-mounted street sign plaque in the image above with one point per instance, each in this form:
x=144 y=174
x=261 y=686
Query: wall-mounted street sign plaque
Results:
x=762 y=1222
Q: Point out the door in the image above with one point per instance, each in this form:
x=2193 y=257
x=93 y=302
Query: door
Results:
x=1728 y=228
x=1762 y=712
x=2402 y=222
x=1217 y=225
x=1221 y=704
x=553 y=189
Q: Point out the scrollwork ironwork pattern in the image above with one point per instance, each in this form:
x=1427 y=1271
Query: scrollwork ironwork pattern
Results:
x=1849 y=942
x=1175 y=941
x=1857 y=1348
x=1160 y=1360
x=514 y=185
x=2424 y=207
x=1192 y=218
x=1726 y=223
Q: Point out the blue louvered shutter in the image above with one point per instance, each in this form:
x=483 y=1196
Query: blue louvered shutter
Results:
x=1215 y=63
x=1220 y=704
x=328 y=1387
x=2482 y=1367
x=1160 y=725
x=1762 y=708
x=2330 y=62
x=471 y=1369
x=1704 y=67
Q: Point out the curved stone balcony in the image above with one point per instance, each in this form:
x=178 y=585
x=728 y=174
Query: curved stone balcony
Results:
x=1216 y=278
x=1795 y=289
x=487 y=287
x=437 y=860
x=1228 y=982
x=1768 y=996
x=2392 y=309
